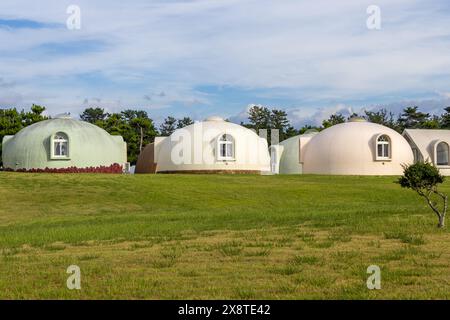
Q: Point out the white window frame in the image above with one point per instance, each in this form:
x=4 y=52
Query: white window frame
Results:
x=383 y=143
x=221 y=142
x=54 y=140
x=435 y=154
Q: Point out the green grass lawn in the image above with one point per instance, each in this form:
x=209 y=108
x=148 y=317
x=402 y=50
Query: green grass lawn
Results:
x=218 y=236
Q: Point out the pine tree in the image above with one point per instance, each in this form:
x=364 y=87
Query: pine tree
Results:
x=168 y=126
x=445 y=119
x=333 y=120
x=411 y=118
x=186 y=121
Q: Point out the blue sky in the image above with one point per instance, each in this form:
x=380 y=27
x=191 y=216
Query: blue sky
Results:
x=215 y=57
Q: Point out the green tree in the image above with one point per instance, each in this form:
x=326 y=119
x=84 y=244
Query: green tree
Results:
x=33 y=116
x=279 y=121
x=118 y=124
x=424 y=178
x=168 y=126
x=291 y=132
x=445 y=119
x=143 y=129
x=411 y=118
x=432 y=123
x=186 y=121
x=382 y=117
x=333 y=120
x=259 y=118
x=115 y=124
x=94 y=115
x=136 y=128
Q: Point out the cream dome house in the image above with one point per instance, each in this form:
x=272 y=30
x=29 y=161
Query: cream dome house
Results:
x=210 y=146
x=62 y=143
x=430 y=145
x=356 y=147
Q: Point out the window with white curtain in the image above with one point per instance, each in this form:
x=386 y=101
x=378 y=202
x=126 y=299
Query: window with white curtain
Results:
x=442 y=154
x=60 y=145
x=225 y=147
x=383 y=147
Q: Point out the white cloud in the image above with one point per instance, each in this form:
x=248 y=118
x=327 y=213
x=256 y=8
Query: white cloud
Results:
x=320 y=49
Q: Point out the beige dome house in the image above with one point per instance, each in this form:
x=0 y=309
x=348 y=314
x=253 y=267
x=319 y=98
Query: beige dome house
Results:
x=356 y=147
x=430 y=145
x=210 y=146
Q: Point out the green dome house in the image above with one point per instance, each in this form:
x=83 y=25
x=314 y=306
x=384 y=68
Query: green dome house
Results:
x=61 y=143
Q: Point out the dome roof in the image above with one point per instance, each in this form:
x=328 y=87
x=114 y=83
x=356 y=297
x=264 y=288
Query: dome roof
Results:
x=350 y=148
x=89 y=145
x=357 y=119
x=200 y=144
x=216 y=124
x=214 y=118
x=63 y=116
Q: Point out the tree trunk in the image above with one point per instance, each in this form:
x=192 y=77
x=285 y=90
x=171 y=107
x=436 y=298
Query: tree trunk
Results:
x=441 y=222
x=444 y=211
x=141 y=140
x=441 y=216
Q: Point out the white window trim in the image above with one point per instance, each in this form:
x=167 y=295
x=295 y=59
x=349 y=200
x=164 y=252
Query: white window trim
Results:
x=220 y=142
x=389 y=143
x=53 y=156
x=435 y=155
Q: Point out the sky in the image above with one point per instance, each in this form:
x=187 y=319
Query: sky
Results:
x=199 y=58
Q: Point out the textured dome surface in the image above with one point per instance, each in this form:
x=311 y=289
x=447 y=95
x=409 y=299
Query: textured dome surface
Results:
x=350 y=148
x=88 y=146
x=200 y=148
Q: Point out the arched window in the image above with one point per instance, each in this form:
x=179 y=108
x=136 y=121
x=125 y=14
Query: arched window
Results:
x=225 y=147
x=383 y=147
x=60 y=145
x=442 y=154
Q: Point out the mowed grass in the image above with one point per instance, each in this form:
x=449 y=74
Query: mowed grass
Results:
x=218 y=237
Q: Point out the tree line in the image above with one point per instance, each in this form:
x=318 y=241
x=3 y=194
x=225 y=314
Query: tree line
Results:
x=260 y=117
x=138 y=129
x=135 y=126
x=409 y=118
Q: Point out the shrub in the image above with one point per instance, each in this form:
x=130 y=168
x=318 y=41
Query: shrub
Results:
x=423 y=178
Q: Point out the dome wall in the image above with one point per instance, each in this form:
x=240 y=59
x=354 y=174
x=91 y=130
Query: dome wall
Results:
x=350 y=149
x=292 y=150
x=194 y=148
x=89 y=146
x=289 y=158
